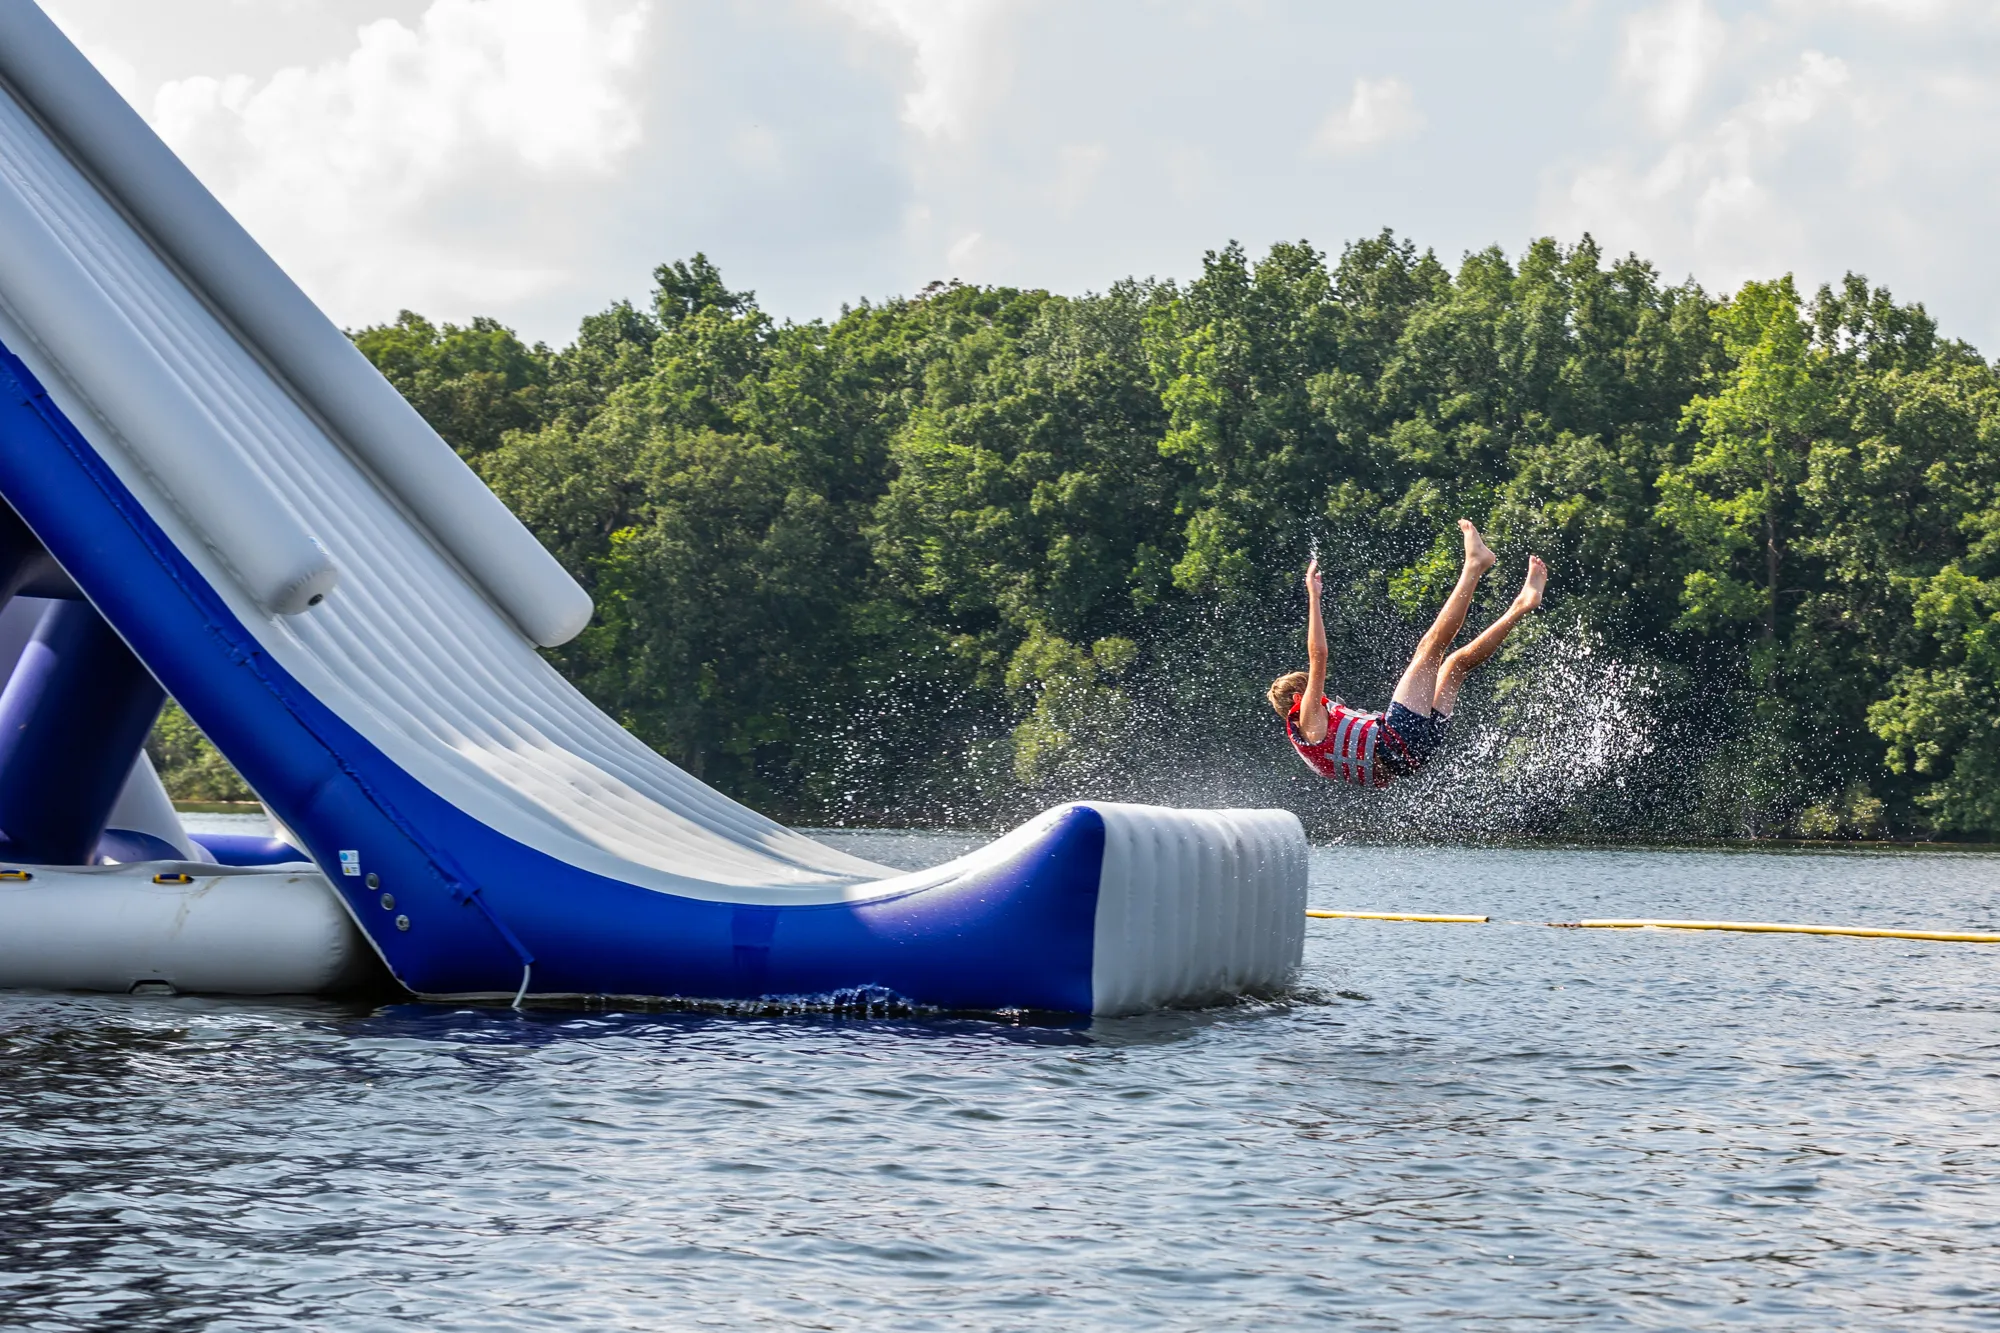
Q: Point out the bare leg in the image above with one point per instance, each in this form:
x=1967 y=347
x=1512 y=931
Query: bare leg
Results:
x=1460 y=664
x=1414 y=690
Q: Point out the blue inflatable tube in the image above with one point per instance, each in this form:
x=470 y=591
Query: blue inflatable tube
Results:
x=246 y=849
x=72 y=718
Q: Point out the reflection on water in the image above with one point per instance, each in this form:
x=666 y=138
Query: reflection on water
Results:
x=1449 y=1127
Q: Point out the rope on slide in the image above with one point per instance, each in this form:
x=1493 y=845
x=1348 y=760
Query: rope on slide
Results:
x=474 y=898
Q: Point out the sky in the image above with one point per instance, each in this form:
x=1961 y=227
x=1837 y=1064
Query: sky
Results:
x=534 y=159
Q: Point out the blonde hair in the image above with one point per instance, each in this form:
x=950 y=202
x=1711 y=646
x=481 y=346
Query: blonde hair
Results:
x=1285 y=690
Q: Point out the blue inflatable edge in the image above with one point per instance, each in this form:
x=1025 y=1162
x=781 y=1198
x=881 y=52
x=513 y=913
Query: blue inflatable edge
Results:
x=247 y=849
x=125 y=845
x=454 y=907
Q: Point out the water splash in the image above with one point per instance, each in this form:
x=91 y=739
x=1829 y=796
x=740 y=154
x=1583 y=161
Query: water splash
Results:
x=1562 y=736
x=1568 y=724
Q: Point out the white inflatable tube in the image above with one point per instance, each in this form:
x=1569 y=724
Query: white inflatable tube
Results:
x=324 y=367
x=162 y=426
x=143 y=806
x=229 y=932
x=1196 y=906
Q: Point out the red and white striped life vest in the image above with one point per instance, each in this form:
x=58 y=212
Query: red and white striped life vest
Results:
x=1347 y=753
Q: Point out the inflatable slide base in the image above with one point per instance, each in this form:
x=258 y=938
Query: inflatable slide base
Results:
x=1172 y=907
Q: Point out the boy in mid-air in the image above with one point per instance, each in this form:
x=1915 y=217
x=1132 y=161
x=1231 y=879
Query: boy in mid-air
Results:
x=1368 y=749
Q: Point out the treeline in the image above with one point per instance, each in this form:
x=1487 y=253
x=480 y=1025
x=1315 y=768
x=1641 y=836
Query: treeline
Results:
x=949 y=557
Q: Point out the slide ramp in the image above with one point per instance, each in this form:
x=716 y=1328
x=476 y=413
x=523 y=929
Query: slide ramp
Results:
x=353 y=619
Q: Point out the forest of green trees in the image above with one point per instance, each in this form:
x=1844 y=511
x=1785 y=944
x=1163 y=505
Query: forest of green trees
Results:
x=948 y=558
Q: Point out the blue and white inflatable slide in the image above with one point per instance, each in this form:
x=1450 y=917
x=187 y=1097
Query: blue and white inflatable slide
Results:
x=210 y=494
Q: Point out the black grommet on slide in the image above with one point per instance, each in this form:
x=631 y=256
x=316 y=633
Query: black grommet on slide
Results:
x=374 y=880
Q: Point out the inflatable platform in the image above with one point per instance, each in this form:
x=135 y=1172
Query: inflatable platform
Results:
x=210 y=494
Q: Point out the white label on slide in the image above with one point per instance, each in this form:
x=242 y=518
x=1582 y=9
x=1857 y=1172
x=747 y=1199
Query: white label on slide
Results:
x=350 y=863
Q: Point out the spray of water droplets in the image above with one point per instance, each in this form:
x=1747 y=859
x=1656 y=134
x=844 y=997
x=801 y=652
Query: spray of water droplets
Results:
x=1564 y=729
x=1560 y=736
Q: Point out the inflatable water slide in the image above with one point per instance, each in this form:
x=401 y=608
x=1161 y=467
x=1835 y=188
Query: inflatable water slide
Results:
x=211 y=495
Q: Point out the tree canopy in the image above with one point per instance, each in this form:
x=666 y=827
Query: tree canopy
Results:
x=950 y=556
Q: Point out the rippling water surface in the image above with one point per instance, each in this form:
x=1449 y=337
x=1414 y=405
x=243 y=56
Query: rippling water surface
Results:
x=1450 y=1127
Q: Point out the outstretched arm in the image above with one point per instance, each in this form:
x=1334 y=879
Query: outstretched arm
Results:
x=1312 y=707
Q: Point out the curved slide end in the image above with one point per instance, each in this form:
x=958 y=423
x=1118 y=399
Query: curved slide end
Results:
x=1090 y=908
x=1107 y=909
x=1094 y=907
x=1196 y=906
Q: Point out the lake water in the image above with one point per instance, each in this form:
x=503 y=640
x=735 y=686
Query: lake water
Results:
x=1449 y=1127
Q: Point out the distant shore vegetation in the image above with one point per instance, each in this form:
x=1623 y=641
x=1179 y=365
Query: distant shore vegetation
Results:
x=950 y=557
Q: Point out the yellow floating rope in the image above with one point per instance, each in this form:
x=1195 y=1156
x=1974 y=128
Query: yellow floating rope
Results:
x=1399 y=916
x=1771 y=928
x=1639 y=923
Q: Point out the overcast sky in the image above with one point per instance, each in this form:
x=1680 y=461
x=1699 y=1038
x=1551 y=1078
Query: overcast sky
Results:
x=533 y=159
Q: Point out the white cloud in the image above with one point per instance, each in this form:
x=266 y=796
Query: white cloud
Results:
x=758 y=151
x=377 y=171
x=1718 y=194
x=533 y=159
x=1190 y=171
x=1669 y=54
x=951 y=56
x=1380 y=111
x=1915 y=11
x=1078 y=167
x=965 y=252
x=1824 y=138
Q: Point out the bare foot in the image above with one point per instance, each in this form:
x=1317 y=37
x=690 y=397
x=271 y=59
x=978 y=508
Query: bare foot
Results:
x=1530 y=595
x=1477 y=553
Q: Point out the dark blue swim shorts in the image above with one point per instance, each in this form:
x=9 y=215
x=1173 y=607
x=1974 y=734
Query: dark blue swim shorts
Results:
x=1420 y=735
